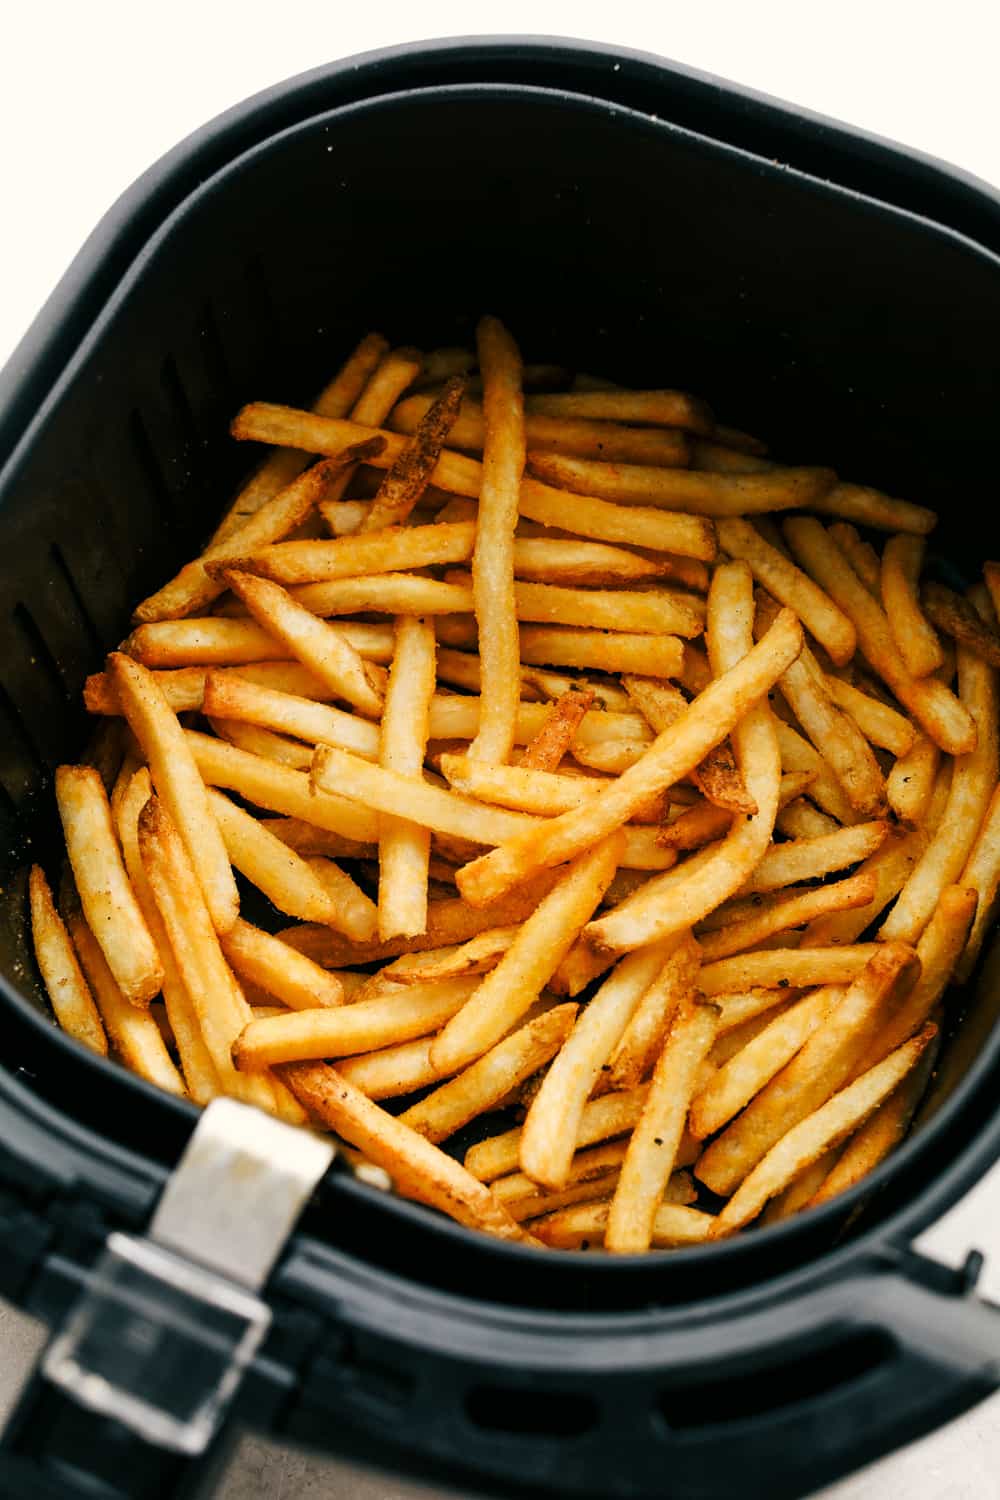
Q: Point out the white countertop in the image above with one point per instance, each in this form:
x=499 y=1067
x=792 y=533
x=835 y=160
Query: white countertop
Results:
x=94 y=93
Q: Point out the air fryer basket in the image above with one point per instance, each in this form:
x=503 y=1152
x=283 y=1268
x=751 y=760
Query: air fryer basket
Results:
x=410 y=194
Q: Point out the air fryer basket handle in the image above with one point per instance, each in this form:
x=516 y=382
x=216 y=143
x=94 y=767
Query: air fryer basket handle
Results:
x=774 y=1404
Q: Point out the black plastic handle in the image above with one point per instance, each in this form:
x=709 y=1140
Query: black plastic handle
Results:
x=775 y=1403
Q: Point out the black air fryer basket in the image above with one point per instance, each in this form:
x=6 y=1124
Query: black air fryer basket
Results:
x=832 y=293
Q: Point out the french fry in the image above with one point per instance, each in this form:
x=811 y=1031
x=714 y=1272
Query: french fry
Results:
x=824 y=1064
x=868 y=507
x=918 y=645
x=184 y=687
x=418 y=1169
x=791 y=587
x=268 y=863
x=602 y=1119
x=105 y=891
x=215 y=642
x=391 y=1071
x=281 y=466
x=815 y=1134
x=404 y=846
x=652 y=1149
x=937 y=710
x=68 y=992
x=727 y=1044
x=582 y=436
x=604 y=650
x=229 y=697
x=258 y=958
x=795 y=968
x=131 y=1030
x=312 y=641
x=556 y=735
x=861 y=555
x=798 y=1195
x=217 y=999
x=342 y=1031
x=746 y=1005
x=199 y=1071
x=194 y=588
x=891 y=865
x=656 y=408
x=477 y=956
x=278 y=788
x=392 y=550
x=178 y=782
x=519 y=787
x=550 y=1130
x=910 y=783
x=961 y=620
x=718 y=776
x=507 y=992
x=410 y=474
x=629 y=525
x=262 y=743
x=791 y=908
x=307 y=839
x=807 y=859
x=584 y=1225
x=800 y=820
x=480 y=1087
x=973 y=781
x=682 y=897
x=640 y=1043
x=981 y=874
x=797 y=754
x=701 y=493
x=704 y=822
x=879 y=723
x=600 y=1163
x=675 y=752
x=393 y=375
x=755 y=1064
x=356 y=913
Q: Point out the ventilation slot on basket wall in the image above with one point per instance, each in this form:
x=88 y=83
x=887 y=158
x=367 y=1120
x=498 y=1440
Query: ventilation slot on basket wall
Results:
x=798 y=1378
x=87 y=621
x=156 y=485
x=22 y=768
x=535 y=1413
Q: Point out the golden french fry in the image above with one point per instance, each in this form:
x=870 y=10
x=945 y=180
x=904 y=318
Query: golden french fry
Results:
x=481 y=1086
x=312 y=641
x=518 y=979
x=549 y=1137
x=891 y=865
x=789 y=908
x=657 y=408
x=652 y=1149
x=307 y=839
x=966 y=623
x=281 y=466
x=795 y=968
x=106 y=895
x=410 y=474
x=215 y=642
x=703 y=493
x=404 y=846
x=393 y=550
x=518 y=787
x=178 y=782
x=584 y=1225
x=391 y=1071
x=807 y=859
x=393 y=375
x=798 y=1195
x=682 y=897
x=973 y=781
x=603 y=650
x=825 y=790
x=269 y=864
x=675 y=752
x=71 y=1000
x=910 y=784
x=938 y=711
x=556 y=735
x=610 y=1115
x=718 y=776
x=809 y=1138
x=581 y=436
x=861 y=555
x=744 y=1074
x=184 y=687
x=902 y=560
x=290 y=977
x=729 y=1043
x=356 y=914
x=868 y=507
x=824 y=1064
x=639 y=1044
x=418 y=1169
x=981 y=874
x=746 y=1005
x=704 y=822
x=477 y=956
x=800 y=820
x=262 y=742
x=791 y=587
x=879 y=723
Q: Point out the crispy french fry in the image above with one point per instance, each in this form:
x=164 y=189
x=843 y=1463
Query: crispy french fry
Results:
x=825 y=1063
x=602 y=1119
x=727 y=1044
x=642 y=1039
x=178 y=782
x=393 y=375
x=519 y=787
x=391 y=1071
x=676 y=751
x=937 y=710
x=962 y=620
x=356 y=913
x=553 y=1122
x=861 y=555
x=682 y=897
x=798 y=1195
x=800 y=820
x=307 y=839
x=215 y=642
x=418 y=1169
x=868 y=507
x=556 y=735
x=656 y=408
x=652 y=1149
x=910 y=783
x=184 y=687
x=902 y=560
x=972 y=784
x=477 y=956
x=790 y=908
x=584 y=1225
x=806 y=859
x=581 y=436
x=791 y=587
x=815 y=1134
x=269 y=864
x=981 y=874
x=746 y=1005
x=410 y=474
x=797 y=754
x=879 y=723
x=71 y=1000
x=482 y=1085
x=106 y=895
x=393 y=550
x=718 y=776
x=544 y=939
x=703 y=822
x=312 y=641
x=787 y=967
x=404 y=846
x=745 y=1073
x=262 y=742
x=258 y=958
x=696 y=492
x=603 y=650
x=891 y=865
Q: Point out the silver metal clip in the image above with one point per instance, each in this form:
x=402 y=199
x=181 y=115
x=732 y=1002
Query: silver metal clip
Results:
x=168 y=1324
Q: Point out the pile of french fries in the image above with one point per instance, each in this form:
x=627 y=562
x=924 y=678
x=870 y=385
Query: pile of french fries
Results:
x=606 y=773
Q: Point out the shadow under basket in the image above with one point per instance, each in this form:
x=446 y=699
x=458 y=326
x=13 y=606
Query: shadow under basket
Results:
x=829 y=293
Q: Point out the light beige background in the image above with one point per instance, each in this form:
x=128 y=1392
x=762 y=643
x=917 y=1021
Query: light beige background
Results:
x=92 y=94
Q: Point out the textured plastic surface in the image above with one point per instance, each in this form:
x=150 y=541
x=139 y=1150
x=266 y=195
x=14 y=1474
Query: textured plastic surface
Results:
x=649 y=234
